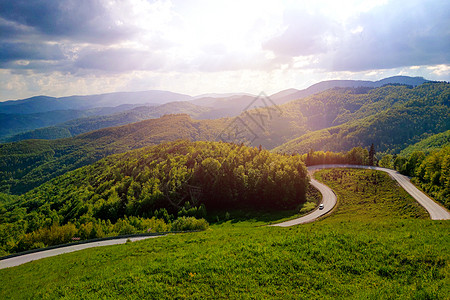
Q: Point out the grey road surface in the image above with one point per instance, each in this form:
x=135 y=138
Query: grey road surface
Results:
x=436 y=211
x=329 y=200
x=18 y=260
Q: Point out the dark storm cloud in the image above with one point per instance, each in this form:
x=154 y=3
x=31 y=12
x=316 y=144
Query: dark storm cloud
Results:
x=13 y=31
x=397 y=34
x=79 y=20
x=29 y=51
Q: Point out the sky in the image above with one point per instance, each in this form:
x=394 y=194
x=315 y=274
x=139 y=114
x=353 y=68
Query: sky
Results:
x=79 y=47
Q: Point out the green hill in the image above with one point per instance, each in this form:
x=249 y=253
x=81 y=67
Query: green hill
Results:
x=429 y=144
x=82 y=125
x=27 y=164
x=393 y=121
x=157 y=180
x=368 y=249
x=391 y=117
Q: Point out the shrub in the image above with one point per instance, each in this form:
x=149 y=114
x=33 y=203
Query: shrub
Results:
x=189 y=223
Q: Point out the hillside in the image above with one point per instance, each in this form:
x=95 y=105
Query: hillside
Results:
x=376 y=254
x=366 y=116
x=395 y=120
x=27 y=164
x=83 y=125
x=159 y=179
x=429 y=144
x=17 y=124
x=30 y=114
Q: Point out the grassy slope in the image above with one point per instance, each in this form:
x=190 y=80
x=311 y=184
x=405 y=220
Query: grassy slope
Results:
x=375 y=253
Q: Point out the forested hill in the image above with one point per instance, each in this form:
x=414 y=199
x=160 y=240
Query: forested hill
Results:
x=392 y=121
x=82 y=125
x=275 y=125
x=156 y=182
x=429 y=144
x=27 y=164
x=391 y=117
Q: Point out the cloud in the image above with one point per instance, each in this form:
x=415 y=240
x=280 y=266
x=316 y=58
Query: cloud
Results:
x=306 y=34
x=393 y=35
x=406 y=34
x=79 y=20
x=10 y=30
x=93 y=45
x=29 y=51
x=119 y=60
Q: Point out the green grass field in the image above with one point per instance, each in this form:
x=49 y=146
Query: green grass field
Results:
x=378 y=244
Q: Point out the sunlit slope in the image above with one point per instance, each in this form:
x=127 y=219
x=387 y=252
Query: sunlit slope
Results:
x=275 y=125
x=27 y=164
x=429 y=144
x=82 y=125
x=423 y=111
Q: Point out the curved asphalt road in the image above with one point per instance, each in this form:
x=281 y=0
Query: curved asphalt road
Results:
x=18 y=260
x=436 y=211
x=329 y=200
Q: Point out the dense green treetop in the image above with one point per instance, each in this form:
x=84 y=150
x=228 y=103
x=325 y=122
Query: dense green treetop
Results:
x=429 y=144
x=169 y=180
x=27 y=164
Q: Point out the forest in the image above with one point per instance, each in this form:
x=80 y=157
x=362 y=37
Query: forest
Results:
x=152 y=188
x=335 y=120
x=90 y=186
x=391 y=117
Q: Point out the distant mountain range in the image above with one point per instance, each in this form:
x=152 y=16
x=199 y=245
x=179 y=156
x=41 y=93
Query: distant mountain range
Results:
x=44 y=117
x=44 y=103
x=293 y=94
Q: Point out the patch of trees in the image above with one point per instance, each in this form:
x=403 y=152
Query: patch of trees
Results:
x=166 y=182
x=356 y=156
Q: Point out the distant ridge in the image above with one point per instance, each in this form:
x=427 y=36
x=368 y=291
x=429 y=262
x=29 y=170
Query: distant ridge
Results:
x=292 y=94
x=44 y=103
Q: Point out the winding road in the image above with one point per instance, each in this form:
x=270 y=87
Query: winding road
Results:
x=19 y=260
x=329 y=199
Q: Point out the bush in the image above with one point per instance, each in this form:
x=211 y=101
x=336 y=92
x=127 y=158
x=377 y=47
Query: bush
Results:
x=189 y=223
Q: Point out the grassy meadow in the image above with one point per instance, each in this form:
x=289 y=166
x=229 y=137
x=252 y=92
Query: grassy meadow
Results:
x=377 y=244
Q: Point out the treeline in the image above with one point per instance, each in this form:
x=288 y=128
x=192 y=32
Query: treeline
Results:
x=165 y=182
x=431 y=172
x=356 y=156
